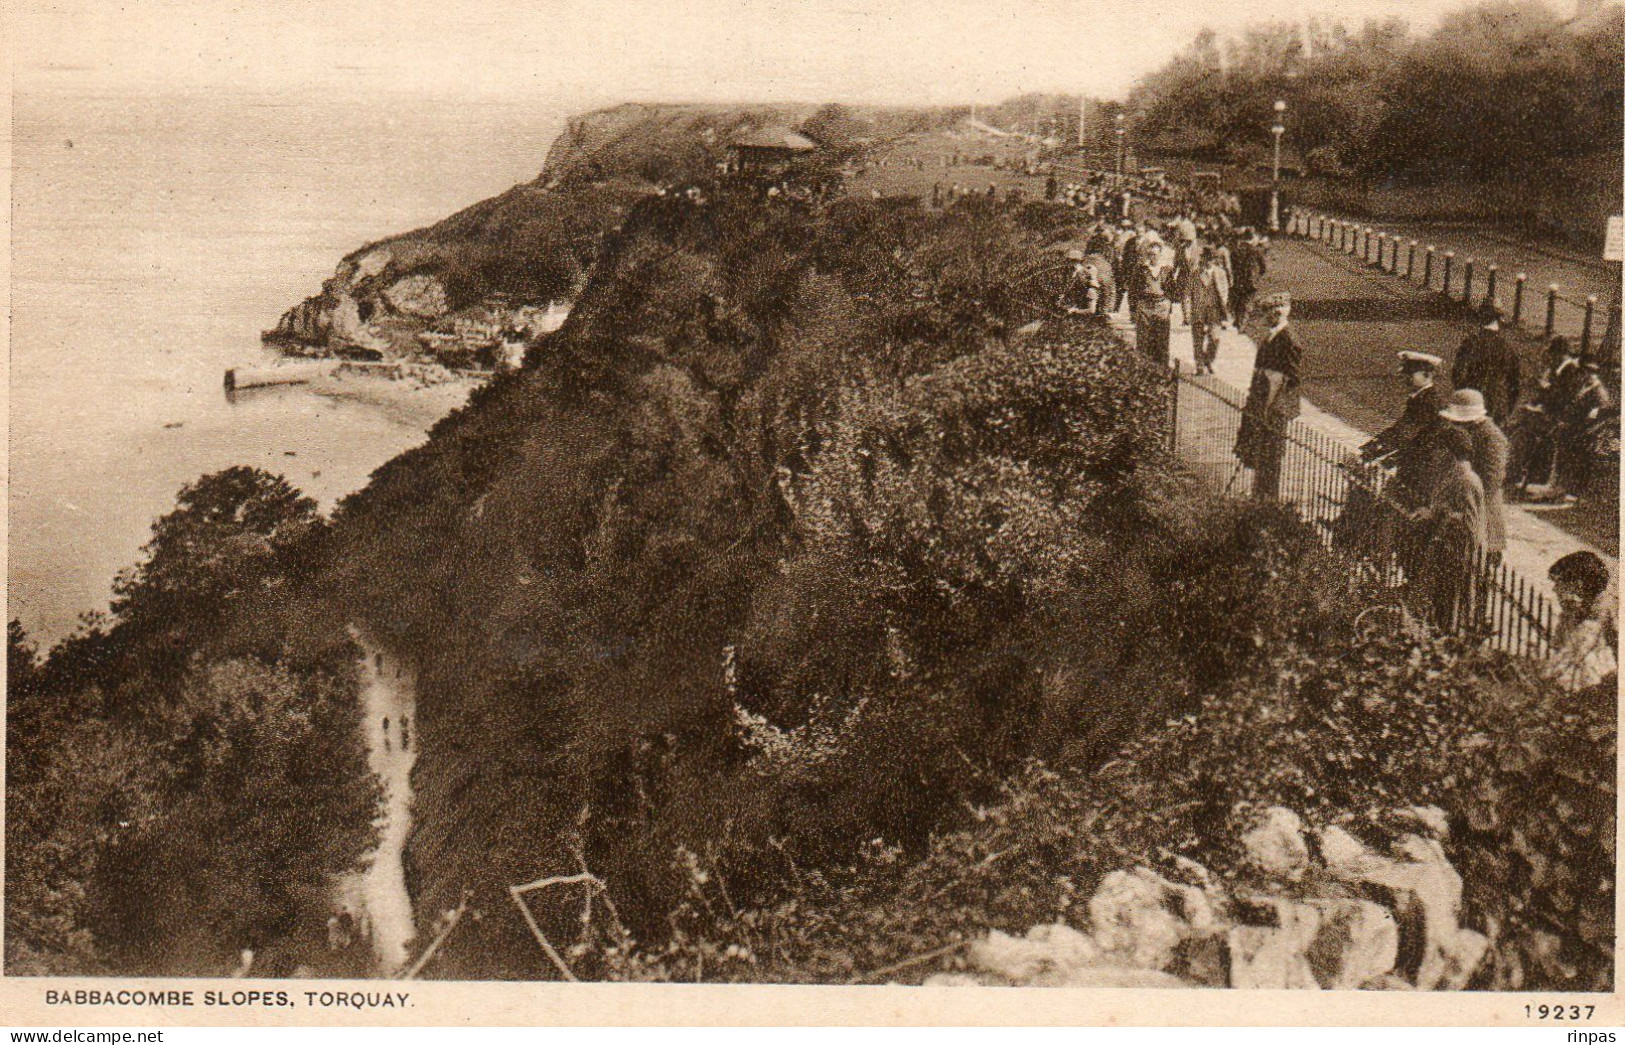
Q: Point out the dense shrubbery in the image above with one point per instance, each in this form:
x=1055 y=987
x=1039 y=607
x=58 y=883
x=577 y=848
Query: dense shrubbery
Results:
x=786 y=544
x=1344 y=731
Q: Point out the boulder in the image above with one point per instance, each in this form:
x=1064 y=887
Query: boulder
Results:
x=1275 y=957
x=1275 y=845
x=1046 y=950
x=1048 y=956
x=1421 y=889
x=1357 y=941
x=1140 y=918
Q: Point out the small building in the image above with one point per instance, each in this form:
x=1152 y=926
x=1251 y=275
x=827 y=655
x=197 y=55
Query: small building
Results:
x=770 y=150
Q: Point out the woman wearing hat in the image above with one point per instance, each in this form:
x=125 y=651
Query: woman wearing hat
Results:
x=1452 y=532
x=1153 y=312
x=1491 y=449
x=1587 y=637
x=1272 y=399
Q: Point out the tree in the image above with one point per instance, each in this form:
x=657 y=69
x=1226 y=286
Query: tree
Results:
x=233 y=535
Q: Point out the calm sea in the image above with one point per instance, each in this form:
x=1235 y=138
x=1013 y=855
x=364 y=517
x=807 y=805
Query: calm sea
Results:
x=153 y=239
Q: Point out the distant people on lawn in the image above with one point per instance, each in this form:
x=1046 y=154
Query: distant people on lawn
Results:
x=1487 y=361
x=1586 y=643
x=1272 y=399
x=1451 y=531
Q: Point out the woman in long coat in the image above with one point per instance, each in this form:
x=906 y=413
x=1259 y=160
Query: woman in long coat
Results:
x=1453 y=531
x=1272 y=400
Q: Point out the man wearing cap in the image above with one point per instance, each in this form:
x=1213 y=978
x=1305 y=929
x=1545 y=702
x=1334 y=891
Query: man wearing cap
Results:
x=1408 y=445
x=1490 y=450
x=1247 y=268
x=1272 y=399
x=1486 y=361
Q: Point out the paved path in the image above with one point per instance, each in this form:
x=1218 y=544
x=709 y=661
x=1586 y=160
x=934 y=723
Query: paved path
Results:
x=1533 y=544
x=377 y=895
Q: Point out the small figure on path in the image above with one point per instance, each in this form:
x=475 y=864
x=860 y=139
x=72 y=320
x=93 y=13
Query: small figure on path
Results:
x=406 y=732
x=1486 y=361
x=386 y=732
x=1534 y=423
x=1586 y=643
x=1272 y=400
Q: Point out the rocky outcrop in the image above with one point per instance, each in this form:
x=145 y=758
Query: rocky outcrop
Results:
x=1349 y=918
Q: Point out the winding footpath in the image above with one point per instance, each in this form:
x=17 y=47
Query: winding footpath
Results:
x=376 y=894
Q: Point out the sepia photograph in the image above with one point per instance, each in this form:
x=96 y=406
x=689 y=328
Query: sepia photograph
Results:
x=968 y=494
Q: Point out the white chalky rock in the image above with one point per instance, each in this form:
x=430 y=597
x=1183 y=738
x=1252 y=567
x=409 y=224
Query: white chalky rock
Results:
x=1275 y=845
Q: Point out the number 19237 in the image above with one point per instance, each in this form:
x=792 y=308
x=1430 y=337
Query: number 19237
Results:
x=1559 y=1012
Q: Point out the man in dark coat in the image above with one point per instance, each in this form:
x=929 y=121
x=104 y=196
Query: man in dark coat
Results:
x=1247 y=269
x=1272 y=400
x=1408 y=446
x=1486 y=361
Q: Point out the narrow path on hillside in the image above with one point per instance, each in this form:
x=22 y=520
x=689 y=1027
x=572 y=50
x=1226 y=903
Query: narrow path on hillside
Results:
x=376 y=894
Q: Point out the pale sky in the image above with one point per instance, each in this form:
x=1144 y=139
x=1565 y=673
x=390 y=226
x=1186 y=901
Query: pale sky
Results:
x=601 y=50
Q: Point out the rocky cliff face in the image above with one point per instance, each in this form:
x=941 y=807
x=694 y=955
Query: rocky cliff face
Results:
x=531 y=245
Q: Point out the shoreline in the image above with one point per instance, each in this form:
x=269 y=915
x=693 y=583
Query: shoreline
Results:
x=405 y=401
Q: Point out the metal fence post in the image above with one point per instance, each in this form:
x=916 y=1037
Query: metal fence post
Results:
x=1427 y=273
x=1585 y=330
x=1449 y=260
x=1382 y=250
x=1489 y=284
x=1517 y=298
x=1551 y=309
x=1410 y=261
x=1467 y=283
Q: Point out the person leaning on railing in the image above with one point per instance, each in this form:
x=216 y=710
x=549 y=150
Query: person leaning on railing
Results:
x=1451 y=531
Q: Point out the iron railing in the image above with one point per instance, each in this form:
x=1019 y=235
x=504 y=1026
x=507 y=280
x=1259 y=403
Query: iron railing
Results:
x=1347 y=502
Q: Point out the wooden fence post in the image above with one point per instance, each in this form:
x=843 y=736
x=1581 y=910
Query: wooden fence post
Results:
x=1427 y=273
x=1517 y=298
x=1551 y=309
x=1585 y=331
x=1449 y=261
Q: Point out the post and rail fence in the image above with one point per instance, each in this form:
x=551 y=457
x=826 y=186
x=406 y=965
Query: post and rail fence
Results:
x=1459 y=280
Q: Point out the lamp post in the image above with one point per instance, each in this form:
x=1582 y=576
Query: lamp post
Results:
x=1122 y=158
x=1278 y=128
